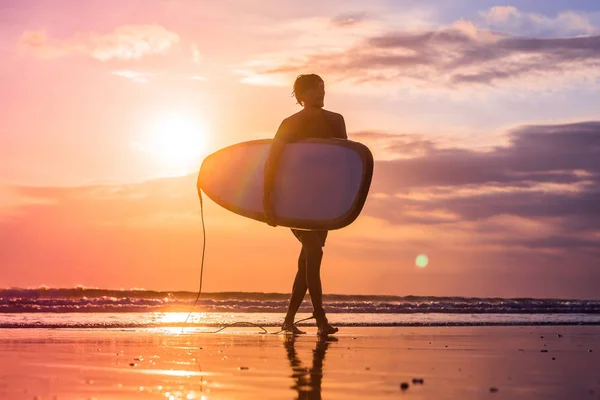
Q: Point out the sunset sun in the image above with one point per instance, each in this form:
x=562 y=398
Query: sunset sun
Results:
x=177 y=141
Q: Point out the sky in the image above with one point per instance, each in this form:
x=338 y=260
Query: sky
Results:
x=482 y=118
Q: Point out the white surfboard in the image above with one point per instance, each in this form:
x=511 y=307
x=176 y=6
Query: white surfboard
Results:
x=319 y=183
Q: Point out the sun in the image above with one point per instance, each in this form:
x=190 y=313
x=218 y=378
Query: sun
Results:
x=178 y=141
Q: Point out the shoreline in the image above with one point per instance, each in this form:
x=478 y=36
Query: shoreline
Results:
x=209 y=328
x=270 y=320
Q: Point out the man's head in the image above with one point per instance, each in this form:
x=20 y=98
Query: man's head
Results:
x=309 y=91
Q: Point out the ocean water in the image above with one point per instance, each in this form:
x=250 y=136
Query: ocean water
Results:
x=89 y=308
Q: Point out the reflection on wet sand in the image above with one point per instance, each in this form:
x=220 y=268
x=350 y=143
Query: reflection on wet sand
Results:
x=455 y=363
x=307 y=380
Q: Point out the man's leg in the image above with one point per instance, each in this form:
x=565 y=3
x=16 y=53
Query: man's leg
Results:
x=312 y=243
x=298 y=290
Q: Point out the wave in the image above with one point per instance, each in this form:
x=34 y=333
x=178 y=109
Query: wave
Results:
x=94 y=300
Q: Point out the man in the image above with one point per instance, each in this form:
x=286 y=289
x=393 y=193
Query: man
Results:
x=311 y=122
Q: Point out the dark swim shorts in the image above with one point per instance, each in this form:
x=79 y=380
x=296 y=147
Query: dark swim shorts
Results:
x=306 y=237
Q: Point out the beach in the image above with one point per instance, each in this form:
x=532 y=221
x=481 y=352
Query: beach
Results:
x=499 y=362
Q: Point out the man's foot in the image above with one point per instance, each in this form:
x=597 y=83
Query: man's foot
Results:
x=326 y=329
x=291 y=329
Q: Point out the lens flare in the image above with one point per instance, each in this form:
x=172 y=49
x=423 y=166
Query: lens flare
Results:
x=422 y=261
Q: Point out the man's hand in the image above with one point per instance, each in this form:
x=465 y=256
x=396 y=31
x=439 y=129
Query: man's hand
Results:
x=270 y=218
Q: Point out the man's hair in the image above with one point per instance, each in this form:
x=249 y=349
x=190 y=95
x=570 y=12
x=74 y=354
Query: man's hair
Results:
x=304 y=82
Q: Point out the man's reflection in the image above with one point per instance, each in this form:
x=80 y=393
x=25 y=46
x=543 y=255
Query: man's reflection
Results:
x=307 y=381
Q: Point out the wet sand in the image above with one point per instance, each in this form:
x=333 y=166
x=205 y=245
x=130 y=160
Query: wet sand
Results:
x=360 y=363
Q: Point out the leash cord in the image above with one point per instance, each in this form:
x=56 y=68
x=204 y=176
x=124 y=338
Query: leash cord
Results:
x=200 y=284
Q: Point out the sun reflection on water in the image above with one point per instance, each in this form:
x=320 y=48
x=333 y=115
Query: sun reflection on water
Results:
x=180 y=317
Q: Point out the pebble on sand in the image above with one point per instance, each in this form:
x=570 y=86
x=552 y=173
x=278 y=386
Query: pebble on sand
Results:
x=404 y=385
x=493 y=389
x=242 y=368
x=132 y=364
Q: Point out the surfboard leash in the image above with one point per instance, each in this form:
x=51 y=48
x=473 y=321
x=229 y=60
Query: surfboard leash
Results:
x=203 y=253
x=240 y=323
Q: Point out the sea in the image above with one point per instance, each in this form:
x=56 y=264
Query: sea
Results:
x=92 y=308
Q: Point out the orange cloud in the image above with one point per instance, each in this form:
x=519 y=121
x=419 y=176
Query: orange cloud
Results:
x=129 y=42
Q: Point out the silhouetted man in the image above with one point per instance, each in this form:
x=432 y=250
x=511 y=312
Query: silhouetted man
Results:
x=311 y=122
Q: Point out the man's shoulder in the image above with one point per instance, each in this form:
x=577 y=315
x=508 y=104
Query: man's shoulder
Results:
x=288 y=127
x=294 y=117
x=332 y=115
x=302 y=114
x=337 y=123
x=334 y=118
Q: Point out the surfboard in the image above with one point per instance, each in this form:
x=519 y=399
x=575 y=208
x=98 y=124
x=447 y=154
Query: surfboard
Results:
x=319 y=183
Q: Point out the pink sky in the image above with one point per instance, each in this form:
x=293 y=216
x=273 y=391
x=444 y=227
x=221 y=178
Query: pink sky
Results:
x=486 y=150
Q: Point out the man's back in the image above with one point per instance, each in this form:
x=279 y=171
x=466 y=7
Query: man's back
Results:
x=314 y=123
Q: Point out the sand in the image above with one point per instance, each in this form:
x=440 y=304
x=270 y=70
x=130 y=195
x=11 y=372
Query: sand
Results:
x=361 y=363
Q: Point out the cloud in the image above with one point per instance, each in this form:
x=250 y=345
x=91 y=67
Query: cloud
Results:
x=129 y=42
x=196 y=56
x=302 y=38
x=386 y=146
x=12 y=200
x=509 y=19
x=451 y=57
x=543 y=154
x=567 y=153
x=346 y=20
x=138 y=77
x=545 y=174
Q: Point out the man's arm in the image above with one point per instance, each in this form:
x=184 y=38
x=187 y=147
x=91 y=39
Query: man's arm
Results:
x=271 y=164
x=343 y=133
x=277 y=147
